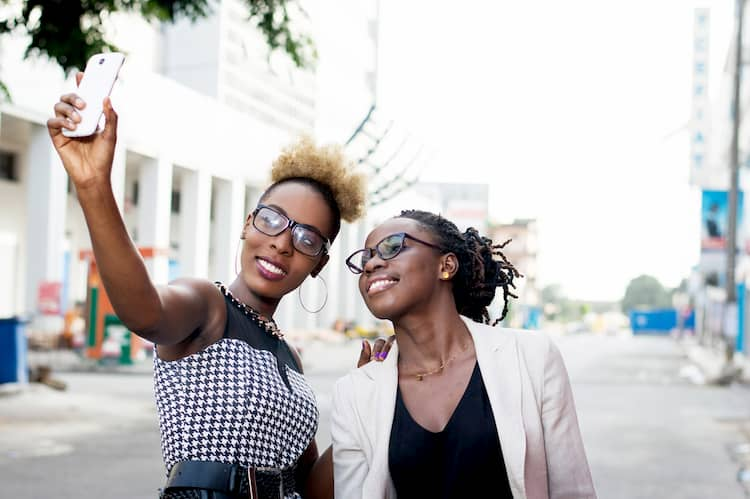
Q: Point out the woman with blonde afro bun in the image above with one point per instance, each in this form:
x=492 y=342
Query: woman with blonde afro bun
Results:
x=237 y=417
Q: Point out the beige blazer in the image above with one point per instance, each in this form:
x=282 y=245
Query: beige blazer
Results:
x=531 y=400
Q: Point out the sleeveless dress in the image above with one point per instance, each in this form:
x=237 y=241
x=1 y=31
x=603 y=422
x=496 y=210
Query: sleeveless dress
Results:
x=241 y=400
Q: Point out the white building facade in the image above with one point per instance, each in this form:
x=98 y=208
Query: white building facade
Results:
x=203 y=112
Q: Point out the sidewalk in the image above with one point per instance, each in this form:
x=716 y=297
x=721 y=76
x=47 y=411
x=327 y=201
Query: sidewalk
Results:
x=317 y=356
x=72 y=361
x=711 y=364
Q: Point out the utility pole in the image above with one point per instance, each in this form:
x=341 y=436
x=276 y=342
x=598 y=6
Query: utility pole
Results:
x=734 y=161
x=731 y=245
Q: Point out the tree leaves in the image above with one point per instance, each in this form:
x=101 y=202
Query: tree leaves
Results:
x=647 y=292
x=70 y=32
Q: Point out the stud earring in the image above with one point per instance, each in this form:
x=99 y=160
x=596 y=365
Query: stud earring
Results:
x=445 y=275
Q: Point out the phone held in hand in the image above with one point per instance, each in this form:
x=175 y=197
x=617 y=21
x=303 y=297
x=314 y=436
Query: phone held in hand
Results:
x=98 y=79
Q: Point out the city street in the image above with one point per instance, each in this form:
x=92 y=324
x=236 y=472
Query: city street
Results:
x=649 y=432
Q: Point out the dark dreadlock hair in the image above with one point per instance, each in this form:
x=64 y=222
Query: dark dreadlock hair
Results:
x=479 y=274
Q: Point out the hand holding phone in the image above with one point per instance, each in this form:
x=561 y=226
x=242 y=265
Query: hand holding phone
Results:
x=98 y=79
x=86 y=155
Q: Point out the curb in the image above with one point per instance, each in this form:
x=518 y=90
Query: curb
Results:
x=714 y=368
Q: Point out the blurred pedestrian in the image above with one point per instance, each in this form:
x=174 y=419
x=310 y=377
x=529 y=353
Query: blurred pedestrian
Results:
x=459 y=408
x=235 y=412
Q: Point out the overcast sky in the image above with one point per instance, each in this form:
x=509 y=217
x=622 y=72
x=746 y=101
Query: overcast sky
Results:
x=574 y=114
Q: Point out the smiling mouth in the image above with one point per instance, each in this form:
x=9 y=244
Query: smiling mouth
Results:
x=270 y=269
x=380 y=285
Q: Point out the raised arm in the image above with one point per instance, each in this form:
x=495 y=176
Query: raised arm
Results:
x=167 y=315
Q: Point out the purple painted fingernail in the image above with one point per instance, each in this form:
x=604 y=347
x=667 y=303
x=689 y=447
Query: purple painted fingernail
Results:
x=381 y=355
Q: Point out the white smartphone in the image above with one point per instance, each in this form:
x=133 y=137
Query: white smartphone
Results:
x=98 y=79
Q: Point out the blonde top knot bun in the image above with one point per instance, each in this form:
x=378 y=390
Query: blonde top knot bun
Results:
x=328 y=166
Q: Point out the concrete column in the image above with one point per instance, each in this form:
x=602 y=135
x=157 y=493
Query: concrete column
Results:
x=311 y=293
x=333 y=274
x=118 y=175
x=363 y=314
x=252 y=196
x=154 y=205
x=229 y=207
x=195 y=219
x=350 y=300
x=46 y=185
x=289 y=313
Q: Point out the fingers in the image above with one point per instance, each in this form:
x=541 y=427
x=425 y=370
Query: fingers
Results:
x=364 y=354
x=74 y=100
x=377 y=349
x=381 y=348
x=390 y=341
x=55 y=125
x=66 y=115
x=66 y=112
x=110 y=117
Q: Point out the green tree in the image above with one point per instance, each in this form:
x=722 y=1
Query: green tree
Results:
x=645 y=291
x=552 y=293
x=563 y=308
x=70 y=32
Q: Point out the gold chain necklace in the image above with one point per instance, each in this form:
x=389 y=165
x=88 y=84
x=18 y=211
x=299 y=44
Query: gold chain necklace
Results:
x=420 y=376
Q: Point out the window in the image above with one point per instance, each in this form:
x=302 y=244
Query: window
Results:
x=175 y=201
x=8 y=168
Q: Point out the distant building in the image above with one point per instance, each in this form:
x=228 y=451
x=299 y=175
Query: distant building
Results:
x=522 y=251
x=463 y=204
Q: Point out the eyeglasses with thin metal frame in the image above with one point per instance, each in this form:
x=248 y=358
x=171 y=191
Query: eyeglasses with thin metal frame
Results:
x=387 y=248
x=305 y=238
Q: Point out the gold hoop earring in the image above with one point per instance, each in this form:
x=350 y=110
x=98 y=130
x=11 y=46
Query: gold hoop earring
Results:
x=325 y=296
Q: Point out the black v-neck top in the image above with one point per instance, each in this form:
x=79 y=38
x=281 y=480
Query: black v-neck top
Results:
x=463 y=460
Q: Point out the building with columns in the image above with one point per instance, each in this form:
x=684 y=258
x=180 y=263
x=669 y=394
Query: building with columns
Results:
x=203 y=111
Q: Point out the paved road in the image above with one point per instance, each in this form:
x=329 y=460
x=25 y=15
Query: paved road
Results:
x=649 y=433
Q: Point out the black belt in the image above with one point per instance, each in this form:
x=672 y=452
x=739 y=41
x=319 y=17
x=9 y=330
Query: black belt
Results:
x=229 y=480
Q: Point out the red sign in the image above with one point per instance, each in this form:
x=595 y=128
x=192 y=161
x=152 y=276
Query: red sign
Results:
x=48 y=297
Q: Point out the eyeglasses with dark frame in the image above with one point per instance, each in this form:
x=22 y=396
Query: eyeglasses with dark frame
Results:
x=387 y=248
x=305 y=238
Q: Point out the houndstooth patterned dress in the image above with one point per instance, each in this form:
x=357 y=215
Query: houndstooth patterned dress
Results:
x=241 y=400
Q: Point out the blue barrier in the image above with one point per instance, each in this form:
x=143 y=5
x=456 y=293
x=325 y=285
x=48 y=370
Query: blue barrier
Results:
x=660 y=321
x=13 y=362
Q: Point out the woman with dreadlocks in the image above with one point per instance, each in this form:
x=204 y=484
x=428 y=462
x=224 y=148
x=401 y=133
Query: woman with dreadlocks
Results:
x=458 y=408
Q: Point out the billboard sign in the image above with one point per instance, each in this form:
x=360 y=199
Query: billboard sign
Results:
x=49 y=297
x=715 y=220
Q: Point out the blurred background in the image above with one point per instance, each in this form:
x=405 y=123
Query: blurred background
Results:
x=603 y=138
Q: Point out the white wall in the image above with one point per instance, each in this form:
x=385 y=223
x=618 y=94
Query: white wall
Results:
x=162 y=119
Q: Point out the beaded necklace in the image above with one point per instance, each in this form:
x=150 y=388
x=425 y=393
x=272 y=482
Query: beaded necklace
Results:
x=266 y=324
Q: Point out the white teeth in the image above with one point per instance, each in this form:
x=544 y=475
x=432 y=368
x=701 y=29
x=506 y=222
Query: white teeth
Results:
x=380 y=284
x=271 y=267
